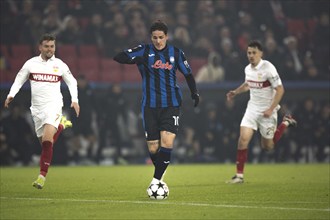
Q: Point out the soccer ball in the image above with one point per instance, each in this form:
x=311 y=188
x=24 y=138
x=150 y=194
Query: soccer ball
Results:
x=158 y=190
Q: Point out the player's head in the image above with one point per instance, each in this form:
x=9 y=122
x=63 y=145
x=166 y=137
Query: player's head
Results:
x=158 y=31
x=254 y=52
x=47 y=46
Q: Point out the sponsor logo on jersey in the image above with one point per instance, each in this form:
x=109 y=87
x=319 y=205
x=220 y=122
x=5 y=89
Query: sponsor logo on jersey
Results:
x=160 y=65
x=258 y=85
x=41 y=77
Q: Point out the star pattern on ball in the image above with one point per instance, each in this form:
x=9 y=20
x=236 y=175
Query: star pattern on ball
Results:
x=160 y=184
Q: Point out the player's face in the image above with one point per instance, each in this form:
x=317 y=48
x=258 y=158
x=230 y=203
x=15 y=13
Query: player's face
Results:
x=159 y=39
x=47 y=49
x=254 y=55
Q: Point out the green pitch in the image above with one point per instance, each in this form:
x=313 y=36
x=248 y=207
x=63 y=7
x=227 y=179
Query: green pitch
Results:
x=274 y=191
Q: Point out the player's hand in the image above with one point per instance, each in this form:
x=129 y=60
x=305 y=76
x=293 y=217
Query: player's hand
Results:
x=8 y=101
x=195 y=97
x=139 y=60
x=76 y=107
x=231 y=94
x=268 y=113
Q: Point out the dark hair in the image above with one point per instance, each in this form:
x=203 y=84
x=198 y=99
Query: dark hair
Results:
x=255 y=44
x=47 y=37
x=159 y=26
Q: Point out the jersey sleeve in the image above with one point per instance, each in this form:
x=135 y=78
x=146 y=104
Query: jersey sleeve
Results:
x=273 y=76
x=183 y=64
x=20 y=79
x=136 y=51
x=71 y=82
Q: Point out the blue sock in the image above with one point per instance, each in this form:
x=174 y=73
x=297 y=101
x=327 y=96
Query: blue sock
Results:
x=162 y=161
x=153 y=158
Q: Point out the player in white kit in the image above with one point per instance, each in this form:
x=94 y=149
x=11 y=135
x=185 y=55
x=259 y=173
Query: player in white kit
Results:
x=45 y=73
x=266 y=92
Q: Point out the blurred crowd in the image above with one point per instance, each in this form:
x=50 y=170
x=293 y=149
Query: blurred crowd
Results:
x=294 y=33
x=109 y=131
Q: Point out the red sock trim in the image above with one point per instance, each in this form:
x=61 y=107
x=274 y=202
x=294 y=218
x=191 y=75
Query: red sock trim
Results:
x=46 y=157
x=240 y=160
x=279 y=132
x=59 y=130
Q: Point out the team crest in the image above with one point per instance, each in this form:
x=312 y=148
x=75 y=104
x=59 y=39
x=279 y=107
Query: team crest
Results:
x=55 y=69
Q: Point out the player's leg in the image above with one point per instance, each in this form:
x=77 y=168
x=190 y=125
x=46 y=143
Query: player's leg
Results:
x=153 y=147
x=46 y=154
x=169 y=126
x=288 y=121
x=151 y=129
x=164 y=154
x=246 y=135
x=65 y=123
x=247 y=128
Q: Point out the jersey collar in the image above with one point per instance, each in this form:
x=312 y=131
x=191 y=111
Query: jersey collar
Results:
x=259 y=64
x=51 y=59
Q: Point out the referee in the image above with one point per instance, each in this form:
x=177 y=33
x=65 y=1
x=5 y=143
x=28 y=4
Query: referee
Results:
x=162 y=98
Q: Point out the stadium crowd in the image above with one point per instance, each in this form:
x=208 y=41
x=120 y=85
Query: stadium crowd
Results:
x=296 y=39
x=295 y=33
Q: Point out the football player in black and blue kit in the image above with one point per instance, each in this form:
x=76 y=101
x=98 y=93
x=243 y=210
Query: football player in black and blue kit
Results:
x=162 y=98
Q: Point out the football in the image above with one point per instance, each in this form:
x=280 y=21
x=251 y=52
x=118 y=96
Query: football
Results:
x=158 y=191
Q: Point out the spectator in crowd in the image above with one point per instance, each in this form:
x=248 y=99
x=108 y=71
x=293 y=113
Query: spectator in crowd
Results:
x=84 y=146
x=322 y=134
x=274 y=53
x=71 y=32
x=320 y=43
x=18 y=150
x=293 y=64
x=182 y=35
x=112 y=121
x=212 y=72
x=210 y=134
x=308 y=113
x=228 y=117
x=95 y=32
x=32 y=28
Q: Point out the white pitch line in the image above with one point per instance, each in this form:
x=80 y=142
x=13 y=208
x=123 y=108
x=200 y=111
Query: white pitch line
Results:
x=170 y=203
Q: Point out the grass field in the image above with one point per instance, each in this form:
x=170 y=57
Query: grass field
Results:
x=277 y=191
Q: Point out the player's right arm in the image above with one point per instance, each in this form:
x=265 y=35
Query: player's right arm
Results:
x=241 y=89
x=20 y=79
x=131 y=56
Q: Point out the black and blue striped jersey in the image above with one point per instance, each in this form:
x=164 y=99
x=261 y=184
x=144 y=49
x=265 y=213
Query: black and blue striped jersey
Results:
x=159 y=82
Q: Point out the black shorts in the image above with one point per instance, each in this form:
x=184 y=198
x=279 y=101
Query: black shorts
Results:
x=160 y=119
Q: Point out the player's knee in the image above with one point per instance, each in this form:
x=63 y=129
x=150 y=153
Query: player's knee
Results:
x=153 y=150
x=268 y=147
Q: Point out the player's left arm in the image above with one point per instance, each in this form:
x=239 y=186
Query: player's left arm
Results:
x=184 y=68
x=71 y=82
x=276 y=83
x=276 y=100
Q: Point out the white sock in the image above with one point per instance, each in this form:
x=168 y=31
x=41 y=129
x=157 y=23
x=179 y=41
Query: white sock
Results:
x=239 y=175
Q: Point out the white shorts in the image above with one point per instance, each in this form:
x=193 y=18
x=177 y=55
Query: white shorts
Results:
x=47 y=115
x=256 y=120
